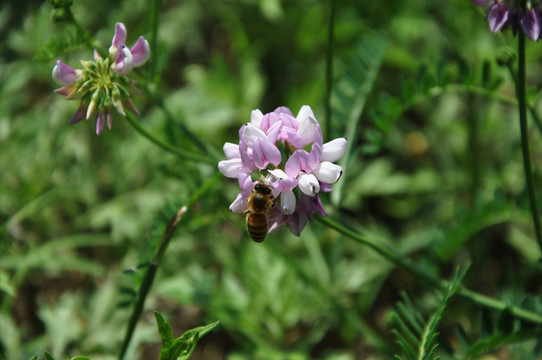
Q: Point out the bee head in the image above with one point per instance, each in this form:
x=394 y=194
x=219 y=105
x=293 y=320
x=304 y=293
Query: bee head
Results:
x=262 y=189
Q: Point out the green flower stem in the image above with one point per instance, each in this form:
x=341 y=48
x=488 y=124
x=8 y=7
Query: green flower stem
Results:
x=148 y=279
x=522 y=105
x=396 y=258
x=170 y=148
x=329 y=66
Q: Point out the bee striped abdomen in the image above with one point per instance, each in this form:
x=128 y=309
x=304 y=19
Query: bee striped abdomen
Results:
x=259 y=204
x=257 y=226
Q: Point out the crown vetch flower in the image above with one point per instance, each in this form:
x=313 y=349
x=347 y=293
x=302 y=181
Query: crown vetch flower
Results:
x=530 y=23
x=102 y=84
x=516 y=15
x=497 y=16
x=287 y=153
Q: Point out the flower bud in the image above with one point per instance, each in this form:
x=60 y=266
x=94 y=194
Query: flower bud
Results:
x=64 y=74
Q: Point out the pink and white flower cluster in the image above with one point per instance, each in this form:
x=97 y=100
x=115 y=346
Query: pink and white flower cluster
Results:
x=101 y=84
x=289 y=152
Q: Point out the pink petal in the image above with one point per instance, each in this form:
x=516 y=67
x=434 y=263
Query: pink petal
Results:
x=273 y=132
x=96 y=55
x=140 y=51
x=246 y=154
x=64 y=74
x=118 y=39
x=65 y=90
x=79 y=115
x=239 y=205
x=283 y=110
x=100 y=121
x=265 y=153
x=296 y=163
x=293 y=138
x=284 y=181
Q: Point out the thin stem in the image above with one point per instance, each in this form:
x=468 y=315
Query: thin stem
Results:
x=148 y=279
x=170 y=148
x=329 y=65
x=522 y=105
x=396 y=258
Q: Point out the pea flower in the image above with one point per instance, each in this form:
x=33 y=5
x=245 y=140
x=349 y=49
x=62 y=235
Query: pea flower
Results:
x=102 y=84
x=287 y=153
x=504 y=14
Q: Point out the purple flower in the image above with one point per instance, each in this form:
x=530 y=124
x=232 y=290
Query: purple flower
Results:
x=510 y=14
x=65 y=75
x=297 y=175
x=127 y=58
x=530 y=23
x=497 y=16
x=98 y=87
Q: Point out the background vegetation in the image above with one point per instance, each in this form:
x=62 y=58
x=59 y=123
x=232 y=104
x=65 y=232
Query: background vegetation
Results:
x=434 y=171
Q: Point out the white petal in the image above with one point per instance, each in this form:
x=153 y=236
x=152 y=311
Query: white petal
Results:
x=304 y=112
x=231 y=150
x=308 y=184
x=278 y=174
x=287 y=202
x=256 y=118
x=231 y=168
x=328 y=172
x=239 y=205
x=251 y=133
x=307 y=130
x=333 y=150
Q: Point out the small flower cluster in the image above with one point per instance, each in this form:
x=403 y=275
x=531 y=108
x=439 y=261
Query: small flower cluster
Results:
x=101 y=85
x=511 y=14
x=288 y=152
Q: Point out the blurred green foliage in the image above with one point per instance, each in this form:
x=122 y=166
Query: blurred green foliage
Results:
x=433 y=169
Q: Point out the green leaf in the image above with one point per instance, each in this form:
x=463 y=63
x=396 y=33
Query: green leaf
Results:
x=182 y=347
x=417 y=336
x=5 y=284
x=80 y=358
x=164 y=330
x=48 y=356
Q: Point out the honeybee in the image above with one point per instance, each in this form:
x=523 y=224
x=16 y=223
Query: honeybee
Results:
x=260 y=202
